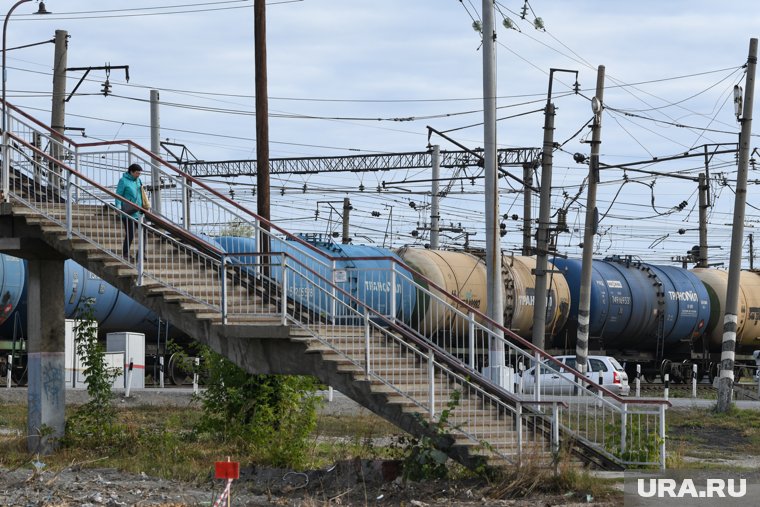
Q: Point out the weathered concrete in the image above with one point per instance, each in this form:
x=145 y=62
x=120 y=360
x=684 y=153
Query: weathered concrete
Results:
x=46 y=345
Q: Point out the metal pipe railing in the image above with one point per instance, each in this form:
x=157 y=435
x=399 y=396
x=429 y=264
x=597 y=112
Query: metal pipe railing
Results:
x=313 y=276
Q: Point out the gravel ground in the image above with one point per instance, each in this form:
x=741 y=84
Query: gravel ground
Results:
x=340 y=486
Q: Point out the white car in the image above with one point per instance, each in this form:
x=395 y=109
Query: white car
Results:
x=557 y=380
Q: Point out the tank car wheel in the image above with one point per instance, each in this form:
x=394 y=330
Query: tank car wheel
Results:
x=650 y=376
x=176 y=370
x=712 y=372
x=3 y=370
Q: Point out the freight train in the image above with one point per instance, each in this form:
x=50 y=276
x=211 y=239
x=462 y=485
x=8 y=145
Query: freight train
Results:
x=664 y=318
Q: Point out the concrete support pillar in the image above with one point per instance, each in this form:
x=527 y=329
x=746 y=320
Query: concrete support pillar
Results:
x=45 y=332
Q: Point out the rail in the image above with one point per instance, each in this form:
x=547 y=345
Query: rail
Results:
x=186 y=215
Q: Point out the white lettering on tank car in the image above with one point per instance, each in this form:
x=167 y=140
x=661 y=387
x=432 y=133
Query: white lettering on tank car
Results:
x=685 y=295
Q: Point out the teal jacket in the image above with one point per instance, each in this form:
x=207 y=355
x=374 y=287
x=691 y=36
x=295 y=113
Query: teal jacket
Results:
x=129 y=189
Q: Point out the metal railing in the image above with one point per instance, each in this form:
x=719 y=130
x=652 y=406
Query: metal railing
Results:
x=174 y=249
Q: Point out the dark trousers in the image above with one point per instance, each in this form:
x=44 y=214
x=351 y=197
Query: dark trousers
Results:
x=129 y=235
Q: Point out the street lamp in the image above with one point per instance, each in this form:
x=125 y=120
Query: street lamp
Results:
x=6 y=163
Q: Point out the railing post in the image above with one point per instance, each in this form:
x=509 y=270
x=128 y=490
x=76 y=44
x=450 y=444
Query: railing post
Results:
x=392 y=315
x=186 y=204
x=223 y=275
x=601 y=384
x=693 y=380
x=10 y=369
x=623 y=427
x=662 y=437
x=257 y=260
x=471 y=333
x=76 y=166
x=431 y=383
x=140 y=250
x=521 y=367
x=537 y=377
x=366 y=341
x=284 y=303
x=333 y=294
x=69 y=218
x=518 y=419
x=555 y=428
x=6 y=166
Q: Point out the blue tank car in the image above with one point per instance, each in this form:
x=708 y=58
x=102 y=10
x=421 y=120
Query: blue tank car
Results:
x=363 y=272
x=637 y=305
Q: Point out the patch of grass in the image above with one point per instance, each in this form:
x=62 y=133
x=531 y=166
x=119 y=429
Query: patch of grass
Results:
x=364 y=424
x=568 y=481
x=702 y=432
x=161 y=442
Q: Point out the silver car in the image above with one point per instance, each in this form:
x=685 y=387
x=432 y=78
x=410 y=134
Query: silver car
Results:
x=556 y=379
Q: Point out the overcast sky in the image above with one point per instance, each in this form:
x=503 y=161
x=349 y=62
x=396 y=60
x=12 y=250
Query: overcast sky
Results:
x=363 y=76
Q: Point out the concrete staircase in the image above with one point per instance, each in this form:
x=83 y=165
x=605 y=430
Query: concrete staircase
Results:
x=394 y=383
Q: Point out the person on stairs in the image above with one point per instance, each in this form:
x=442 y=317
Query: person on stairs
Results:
x=130 y=189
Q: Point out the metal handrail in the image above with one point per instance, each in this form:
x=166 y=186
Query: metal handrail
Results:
x=214 y=257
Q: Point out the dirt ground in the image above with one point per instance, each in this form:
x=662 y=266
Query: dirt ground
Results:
x=347 y=483
x=341 y=485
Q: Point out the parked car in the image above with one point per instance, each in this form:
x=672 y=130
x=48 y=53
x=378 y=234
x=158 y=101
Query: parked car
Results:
x=556 y=379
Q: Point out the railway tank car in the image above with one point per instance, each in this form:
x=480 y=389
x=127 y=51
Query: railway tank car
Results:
x=464 y=275
x=639 y=312
x=519 y=296
x=114 y=310
x=12 y=297
x=458 y=273
x=748 y=314
x=364 y=272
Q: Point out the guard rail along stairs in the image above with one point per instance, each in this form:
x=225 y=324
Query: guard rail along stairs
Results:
x=282 y=306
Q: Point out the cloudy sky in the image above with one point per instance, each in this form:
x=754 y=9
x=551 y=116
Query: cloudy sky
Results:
x=361 y=76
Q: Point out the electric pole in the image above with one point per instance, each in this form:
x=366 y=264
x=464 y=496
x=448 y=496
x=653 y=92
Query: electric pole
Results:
x=703 y=205
x=527 y=212
x=584 y=304
x=58 y=109
x=727 y=356
x=542 y=241
x=346 y=229
x=155 y=148
x=262 y=121
x=435 y=209
x=495 y=310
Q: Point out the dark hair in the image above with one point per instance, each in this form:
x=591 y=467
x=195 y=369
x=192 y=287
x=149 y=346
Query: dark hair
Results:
x=134 y=168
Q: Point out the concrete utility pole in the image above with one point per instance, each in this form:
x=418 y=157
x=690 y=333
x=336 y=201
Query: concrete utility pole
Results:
x=58 y=107
x=703 y=205
x=435 y=209
x=527 y=211
x=495 y=309
x=346 y=214
x=262 y=119
x=727 y=356
x=584 y=304
x=155 y=148
x=542 y=241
